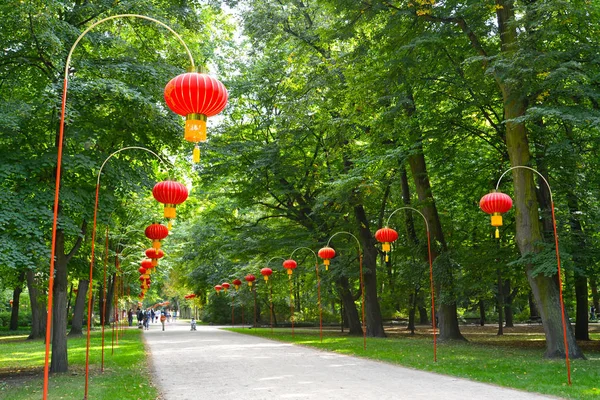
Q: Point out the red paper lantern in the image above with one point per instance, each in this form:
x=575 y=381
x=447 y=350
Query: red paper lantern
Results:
x=250 y=278
x=147 y=265
x=142 y=270
x=236 y=283
x=170 y=193
x=290 y=265
x=266 y=272
x=496 y=203
x=225 y=285
x=218 y=288
x=154 y=255
x=196 y=96
x=145 y=277
x=387 y=236
x=156 y=232
x=326 y=253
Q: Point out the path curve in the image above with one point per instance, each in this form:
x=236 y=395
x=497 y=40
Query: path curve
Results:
x=211 y=363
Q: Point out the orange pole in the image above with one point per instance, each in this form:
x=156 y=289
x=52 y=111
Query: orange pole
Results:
x=89 y=319
x=53 y=246
x=362 y=288
x=432 y=297
x=254 y=290
x=271 y=303
x=562 y=304
x=104 y=298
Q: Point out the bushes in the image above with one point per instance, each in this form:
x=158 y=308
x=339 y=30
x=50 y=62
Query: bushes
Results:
x=24 y=318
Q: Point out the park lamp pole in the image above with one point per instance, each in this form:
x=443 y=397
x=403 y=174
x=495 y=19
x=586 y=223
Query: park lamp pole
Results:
x=362 y=283
x=318 y=287
x=431 y=285
x=560 y=291
x=58 y=175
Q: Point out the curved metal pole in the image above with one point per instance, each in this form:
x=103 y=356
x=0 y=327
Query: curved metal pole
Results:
x=560 y=291
x=318 y=287
x=58 y=176
x=270 y=289
x=362 y=284
x=87 y=349
x=431 y=285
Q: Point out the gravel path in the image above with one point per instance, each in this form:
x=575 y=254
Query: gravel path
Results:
x=215 y=364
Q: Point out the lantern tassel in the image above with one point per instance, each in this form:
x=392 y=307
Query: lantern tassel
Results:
x=497 y=233
x=387 y=257
x=169 y=225
x=196 y=154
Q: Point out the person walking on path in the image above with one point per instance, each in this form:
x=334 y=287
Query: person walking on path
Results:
x=163 y=318
x=130 y=317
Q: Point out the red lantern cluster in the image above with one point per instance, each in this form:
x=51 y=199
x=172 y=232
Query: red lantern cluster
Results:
x=196 y=96
x=236 y=283
x=250 y=278
x=290 y=265
x=326 y=253
x=226 y=286
x=218 y=288
x=154 y=255
x=189 y=296
x=266 y=272
x=170 y=193
x=387 y=236
x=496 y=204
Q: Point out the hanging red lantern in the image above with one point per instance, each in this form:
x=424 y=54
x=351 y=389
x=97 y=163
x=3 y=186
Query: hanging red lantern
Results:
x=142 y=270
x=225 y=285
x=290 y=265
x=156 y=232
x=10 y=302
x=154 y=255
x=496 y=204
x=326 y=253
x=387 y=236
x=170 y=193
x=250 y=278
x=196 y=96
x=145 y=277
x=266 y=272
x=147 y=265
x=218 y=288
x=236 y=283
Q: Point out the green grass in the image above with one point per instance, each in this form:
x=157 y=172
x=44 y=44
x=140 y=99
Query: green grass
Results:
x=125 y=376
x=515 y=360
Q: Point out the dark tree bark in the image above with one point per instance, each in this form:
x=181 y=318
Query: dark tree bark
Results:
x=509 y=296
x=500 y=298
x=38 y=307
x=412 y=301
x=350 y=310
x=595 y=296
x=423 y=316
x=446 y=312
x=14 y=312
x=374 y=320
x=79 y=308
x=533 y=310
x=481 y=312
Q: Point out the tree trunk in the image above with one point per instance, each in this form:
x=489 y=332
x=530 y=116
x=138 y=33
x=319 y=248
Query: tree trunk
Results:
x=500 y=297
x=110 y=298
x=79 y=309
x=412 y=301
x=14 y=312
x=595 y=296
x=446 y=312
x=508 y=299
x=350 y=311
x=38 y=308
x=374 y=321
x=59 y=362
x=545 y=289
x=423 y=318
x=481 y=312
x=533 y=310
x=581 y=295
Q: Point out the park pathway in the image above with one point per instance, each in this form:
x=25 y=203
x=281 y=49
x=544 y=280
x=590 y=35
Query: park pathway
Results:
x=211 y=363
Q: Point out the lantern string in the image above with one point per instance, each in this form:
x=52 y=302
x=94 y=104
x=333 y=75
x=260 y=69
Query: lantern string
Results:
x=362 y=286
x=560 y=291
x=318 y=286
x=431 y=282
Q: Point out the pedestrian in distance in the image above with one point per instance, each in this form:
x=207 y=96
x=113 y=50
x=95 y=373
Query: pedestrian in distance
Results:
x=163 y=318
x=193 y=325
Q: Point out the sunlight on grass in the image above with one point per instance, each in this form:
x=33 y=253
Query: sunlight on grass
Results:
x=505 y=361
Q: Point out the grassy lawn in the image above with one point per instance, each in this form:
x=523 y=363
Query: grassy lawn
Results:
x=125 y=376
x=513 y=360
